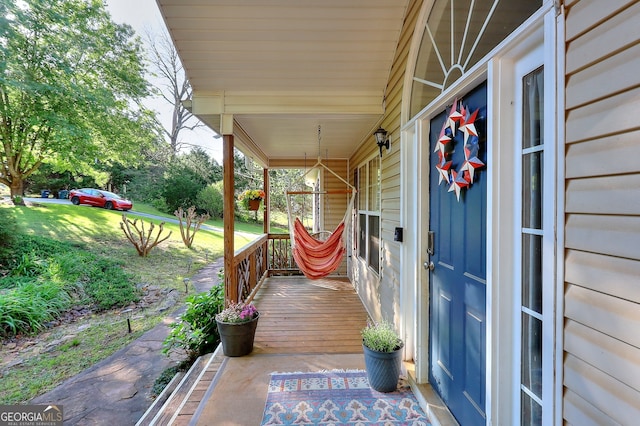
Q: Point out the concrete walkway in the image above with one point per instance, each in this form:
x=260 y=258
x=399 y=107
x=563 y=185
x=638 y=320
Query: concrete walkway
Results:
x=116 y=390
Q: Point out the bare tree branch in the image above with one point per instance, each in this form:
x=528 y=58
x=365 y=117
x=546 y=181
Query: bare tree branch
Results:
x=173 y=88
x=143 y=240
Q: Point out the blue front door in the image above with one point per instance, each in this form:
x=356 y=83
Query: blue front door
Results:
x=458 y=257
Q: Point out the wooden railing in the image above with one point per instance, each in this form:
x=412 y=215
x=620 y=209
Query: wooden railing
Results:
x=268 y=255
x=280 y=259
x=249 y=269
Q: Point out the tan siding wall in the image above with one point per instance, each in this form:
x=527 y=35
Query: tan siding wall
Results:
x=381 y=295
x=335 y=205
x=602 y=202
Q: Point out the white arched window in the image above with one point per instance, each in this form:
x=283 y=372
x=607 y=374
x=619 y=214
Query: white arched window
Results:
x=457 y=34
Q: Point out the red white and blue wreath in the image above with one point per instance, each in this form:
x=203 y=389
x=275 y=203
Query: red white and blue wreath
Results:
x=460 y=119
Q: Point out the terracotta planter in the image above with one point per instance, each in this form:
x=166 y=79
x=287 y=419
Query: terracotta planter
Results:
x=237 y=338
x=254 y=205
x=383 y=369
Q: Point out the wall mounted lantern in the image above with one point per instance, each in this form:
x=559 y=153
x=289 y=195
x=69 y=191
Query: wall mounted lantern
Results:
x=382 y=140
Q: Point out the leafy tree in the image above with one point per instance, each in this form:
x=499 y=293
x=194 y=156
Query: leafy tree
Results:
x=245 y=178
x=146 y=184
x=47 y=178
x=119 y=176
x=181 y=188
x=283 y=180
x=70 y=85
x=201 y=164
x=146 y=180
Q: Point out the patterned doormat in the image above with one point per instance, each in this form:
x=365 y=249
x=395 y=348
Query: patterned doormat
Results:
x=337 y=398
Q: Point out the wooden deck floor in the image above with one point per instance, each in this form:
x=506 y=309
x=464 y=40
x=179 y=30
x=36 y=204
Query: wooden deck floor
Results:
x=303 y=324
x=298 y=315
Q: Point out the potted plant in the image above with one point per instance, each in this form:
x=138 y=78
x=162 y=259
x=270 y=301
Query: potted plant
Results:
x=251 y=198
x=237 y=328
x=382 y=355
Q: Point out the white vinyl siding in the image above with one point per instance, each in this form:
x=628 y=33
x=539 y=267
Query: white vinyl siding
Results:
x=381 y=293
x=602 y=221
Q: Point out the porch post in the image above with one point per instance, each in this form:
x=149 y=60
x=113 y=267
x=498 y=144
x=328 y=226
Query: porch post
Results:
x=230 y=287
x=266 y=222
x=267 y=210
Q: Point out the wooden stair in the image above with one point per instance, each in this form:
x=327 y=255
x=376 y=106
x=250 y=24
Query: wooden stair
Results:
x=179 y=400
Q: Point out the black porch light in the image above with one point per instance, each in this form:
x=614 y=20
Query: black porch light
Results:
x=382 y=140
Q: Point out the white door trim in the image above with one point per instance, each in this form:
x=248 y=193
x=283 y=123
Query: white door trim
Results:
x=539 y=30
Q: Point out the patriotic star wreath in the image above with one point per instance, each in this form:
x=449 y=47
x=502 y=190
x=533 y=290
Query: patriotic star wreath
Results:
x=460 y=119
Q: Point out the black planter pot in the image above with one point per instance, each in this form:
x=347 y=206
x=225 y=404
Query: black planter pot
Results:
x=383 y=368
x=237 y=338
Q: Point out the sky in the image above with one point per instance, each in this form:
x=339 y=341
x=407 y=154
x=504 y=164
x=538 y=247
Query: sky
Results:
x=143 y=15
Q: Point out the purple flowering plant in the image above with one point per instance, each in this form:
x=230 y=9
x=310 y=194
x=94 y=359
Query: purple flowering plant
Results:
x=238 y=313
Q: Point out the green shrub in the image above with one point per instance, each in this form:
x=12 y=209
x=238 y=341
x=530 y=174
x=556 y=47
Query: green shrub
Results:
x=27 y=307
x=181 y=188
x=47 y=277
x=108 y=285
x=196 y=331
x=210 y=199
x=160 y=204
x=165 y=377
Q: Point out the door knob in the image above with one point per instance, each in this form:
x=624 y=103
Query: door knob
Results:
x=429 y=265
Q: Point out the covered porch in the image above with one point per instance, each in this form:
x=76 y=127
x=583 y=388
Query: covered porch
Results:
x=305 y=325
x=287 y=83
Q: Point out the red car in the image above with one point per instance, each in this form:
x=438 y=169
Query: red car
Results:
x=100 y=198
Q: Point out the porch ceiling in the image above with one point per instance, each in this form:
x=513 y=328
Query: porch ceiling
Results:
x=281 y=68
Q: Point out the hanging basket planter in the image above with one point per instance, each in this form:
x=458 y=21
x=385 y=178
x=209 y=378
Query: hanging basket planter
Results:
x=254 y=205
x=251 y=198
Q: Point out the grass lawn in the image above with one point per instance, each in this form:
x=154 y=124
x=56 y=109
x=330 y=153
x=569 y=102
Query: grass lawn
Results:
x=40 y=364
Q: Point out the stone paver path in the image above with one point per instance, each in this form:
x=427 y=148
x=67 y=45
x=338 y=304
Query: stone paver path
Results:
x=116 y=390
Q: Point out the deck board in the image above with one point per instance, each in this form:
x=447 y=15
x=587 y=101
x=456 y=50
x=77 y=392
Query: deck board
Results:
x=298 y=315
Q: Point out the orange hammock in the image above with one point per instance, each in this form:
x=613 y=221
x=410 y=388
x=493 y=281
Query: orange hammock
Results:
x=317 y=259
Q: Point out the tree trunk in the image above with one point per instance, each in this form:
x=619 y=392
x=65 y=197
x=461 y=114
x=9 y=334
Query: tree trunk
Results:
x=17 y=187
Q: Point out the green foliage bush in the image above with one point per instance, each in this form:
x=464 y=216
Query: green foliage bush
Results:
x=160 y=204
x=27 y=306
x=46 y=277
x=210 y=199
x=196 y=331
x=181 y=188
x=146 y=184
x=108 y=285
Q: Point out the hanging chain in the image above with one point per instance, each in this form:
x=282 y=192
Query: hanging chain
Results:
x=319 y=139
